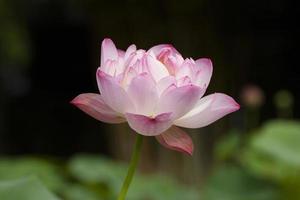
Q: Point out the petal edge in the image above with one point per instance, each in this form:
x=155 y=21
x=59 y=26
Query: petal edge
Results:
x=93 y=105
x=176 y=139
x=149 y=126
x=208 y=110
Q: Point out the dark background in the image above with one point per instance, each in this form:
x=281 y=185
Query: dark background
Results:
x=50 y=51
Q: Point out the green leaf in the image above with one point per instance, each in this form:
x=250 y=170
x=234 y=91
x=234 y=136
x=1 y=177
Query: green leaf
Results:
x=233 y=183
x=228 y=145
x=274 y=150
x=81 y=192
x=48 y=173
x=93 y=169
x=159 y=187
x=24 y=189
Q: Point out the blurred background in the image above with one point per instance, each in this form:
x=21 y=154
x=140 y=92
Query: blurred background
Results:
x=49 y=53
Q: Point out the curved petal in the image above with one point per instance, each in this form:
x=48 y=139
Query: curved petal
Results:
x=156 y=68
x=184 y=81
x=131 y=49
x=134 y=57
x=205 y=73
x=168 y=55
x=186 y=69
x=176 y=139
x=127 y=77
x=143 y=93
x=110 y=67
x=108 y=51
x=93 y=105
x=208 y=110
x=165 y=83
x=159 y=48
x=121 y=53
x=113 y=94
x=179 y=100
x=149 y=126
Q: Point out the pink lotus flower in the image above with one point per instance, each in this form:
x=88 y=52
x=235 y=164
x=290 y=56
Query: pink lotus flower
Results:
x=155 y=91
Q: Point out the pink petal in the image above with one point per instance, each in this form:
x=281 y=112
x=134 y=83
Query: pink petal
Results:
x=168 y=55
x=186 y=69
x=176 y=139
x=110 y=67
x=113 y=94
x=143 y=93
x=108 y=51
x=179 y=100
x=93 y=105
x=206 y=69
x=208 y=110
x=131 y=49
x=128 y=75
x=134 y=57
x=159 y=48
x=121 y=53
x=184 y=81
x=165 y=83
x=149 y=126
x=156 y=68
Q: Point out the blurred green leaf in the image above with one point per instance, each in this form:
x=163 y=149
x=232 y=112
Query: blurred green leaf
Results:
x=159 y=187
x=93 y=169
x=24 y=189
x=274 y=150
x=233 y=183
x=47 y=172
x=227 y=146
x=80 y=192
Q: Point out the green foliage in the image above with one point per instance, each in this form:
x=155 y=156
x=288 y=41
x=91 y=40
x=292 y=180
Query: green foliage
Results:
x=228 y=146
x=233 y=183
x=93 y=170
x=88 y=177
x=267 y=167
x=26 y=189
x=47 y=172
x=159 y=187
x=274 y=150
x=81 y=192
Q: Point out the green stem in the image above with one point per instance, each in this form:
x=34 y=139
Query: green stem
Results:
x=133 y=163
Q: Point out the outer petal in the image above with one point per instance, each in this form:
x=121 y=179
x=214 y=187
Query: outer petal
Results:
x=149 y=126
x=93 y=105
x=208 y=110
x=176 y=139
x=179 y=100
x=113 y=94
x=143 y=93
x=108 y=51
x=205 y=73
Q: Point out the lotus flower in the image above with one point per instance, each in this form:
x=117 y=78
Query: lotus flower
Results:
x=155 y=91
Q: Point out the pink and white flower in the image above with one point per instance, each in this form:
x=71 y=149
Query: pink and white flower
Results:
x=155 y=91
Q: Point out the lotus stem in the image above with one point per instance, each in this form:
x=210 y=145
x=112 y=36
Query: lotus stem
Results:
x=133 y=164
